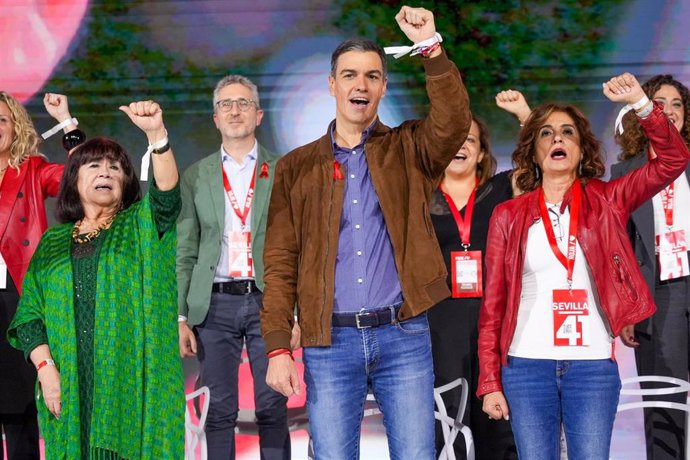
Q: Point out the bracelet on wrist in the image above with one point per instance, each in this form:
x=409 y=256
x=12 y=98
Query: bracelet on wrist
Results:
x=642 y=103
x=158 y=147
x=72 y=139
x=162 y=150
x=278 y=352
x=645 y=111
x=63 y=124
x=44 y=363
x=426 y=52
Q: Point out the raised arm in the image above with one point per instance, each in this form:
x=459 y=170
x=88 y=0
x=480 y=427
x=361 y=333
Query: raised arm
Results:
x=57 y=107
x=148 y=116
x=513 y=101
x=638 y=186
x=445 y=128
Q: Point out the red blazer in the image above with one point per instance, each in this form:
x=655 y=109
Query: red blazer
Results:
x=23 y=213
x=623 y=295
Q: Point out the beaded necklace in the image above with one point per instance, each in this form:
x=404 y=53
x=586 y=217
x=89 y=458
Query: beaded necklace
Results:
x=87 y=237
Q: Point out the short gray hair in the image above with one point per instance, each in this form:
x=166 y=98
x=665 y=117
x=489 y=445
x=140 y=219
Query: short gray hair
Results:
x=236 y=80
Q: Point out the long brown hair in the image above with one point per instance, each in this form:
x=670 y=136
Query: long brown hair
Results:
x=591 y=164
x=633 y=141
x=487 y=167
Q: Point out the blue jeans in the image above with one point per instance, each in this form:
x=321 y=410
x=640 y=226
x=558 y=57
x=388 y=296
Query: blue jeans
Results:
x=395 y=361
x=542 y=394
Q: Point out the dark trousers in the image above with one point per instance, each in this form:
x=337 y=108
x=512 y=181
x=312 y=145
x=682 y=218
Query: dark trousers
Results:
x=453 y=325
x=665 y=352
x=21 y=434
x=17 y=377
x=233 y=320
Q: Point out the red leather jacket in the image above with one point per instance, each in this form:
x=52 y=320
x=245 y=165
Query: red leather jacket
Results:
x=23 y=213
x=623 y=295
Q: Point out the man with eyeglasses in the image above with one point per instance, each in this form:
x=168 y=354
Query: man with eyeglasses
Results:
x=221 y=232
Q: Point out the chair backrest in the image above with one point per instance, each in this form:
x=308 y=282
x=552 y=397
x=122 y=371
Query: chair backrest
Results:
x=195 y=423
x=449 y=426
x=674 y=386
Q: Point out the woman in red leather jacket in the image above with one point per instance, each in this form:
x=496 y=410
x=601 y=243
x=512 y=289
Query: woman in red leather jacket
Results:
x=26 y=180
x=562 y=279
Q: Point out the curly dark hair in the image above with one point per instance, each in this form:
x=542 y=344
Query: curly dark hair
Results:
x=591 y=165
x=69 y=207
x=633 y=141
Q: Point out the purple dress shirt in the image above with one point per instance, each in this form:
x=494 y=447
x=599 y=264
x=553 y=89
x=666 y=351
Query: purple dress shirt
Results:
x=365 y=273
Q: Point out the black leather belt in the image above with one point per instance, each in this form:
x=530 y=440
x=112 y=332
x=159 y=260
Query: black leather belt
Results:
x=365 y=319
x=242 y=287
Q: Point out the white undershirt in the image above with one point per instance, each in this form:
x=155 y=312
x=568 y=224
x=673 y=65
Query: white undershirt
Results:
x=681 y=208
x=239 y=176
x=541 y=274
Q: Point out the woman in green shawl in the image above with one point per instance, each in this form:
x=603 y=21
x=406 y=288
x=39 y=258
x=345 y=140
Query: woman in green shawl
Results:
x=98 y=313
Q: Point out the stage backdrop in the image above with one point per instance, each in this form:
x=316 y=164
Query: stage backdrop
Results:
x=106 y=53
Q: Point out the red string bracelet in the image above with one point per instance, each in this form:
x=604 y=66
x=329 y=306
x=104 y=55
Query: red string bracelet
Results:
x=278 y=352
x=425 y=53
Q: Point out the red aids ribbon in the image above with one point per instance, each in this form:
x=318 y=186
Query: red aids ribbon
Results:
x=264 y=171
x=337 y=173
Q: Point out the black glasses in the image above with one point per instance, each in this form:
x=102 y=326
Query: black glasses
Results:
x=243 y=104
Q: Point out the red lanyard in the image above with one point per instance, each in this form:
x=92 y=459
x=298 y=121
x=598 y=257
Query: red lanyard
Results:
x=667 y=199
x=464 y=225
x=568 y=260
x=233 y=200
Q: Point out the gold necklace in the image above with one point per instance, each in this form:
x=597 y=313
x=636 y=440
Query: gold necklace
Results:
x=85 y=238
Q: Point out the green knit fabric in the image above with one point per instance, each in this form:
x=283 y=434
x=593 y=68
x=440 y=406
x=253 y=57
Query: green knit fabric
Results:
x=85 y=272
x=137 y=388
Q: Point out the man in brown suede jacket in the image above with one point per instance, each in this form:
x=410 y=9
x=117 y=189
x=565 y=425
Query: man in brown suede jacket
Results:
x=349 y=241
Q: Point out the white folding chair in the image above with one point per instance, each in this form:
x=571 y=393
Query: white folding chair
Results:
x=675 y=386
x=195 y=434
x=451 y=427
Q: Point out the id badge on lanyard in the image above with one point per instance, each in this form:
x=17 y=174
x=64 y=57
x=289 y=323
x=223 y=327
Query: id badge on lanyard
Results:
x=570 y=318
x=671 y=246
x=240 y=242
x=466 y=273
x=466 y=266
x=570 y=307
x=240 y=255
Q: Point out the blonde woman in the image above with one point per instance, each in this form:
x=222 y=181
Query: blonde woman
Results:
x=26 y=180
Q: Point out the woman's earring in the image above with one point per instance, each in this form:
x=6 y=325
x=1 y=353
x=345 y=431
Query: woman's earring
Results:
x=579 y=169
x=536 y=171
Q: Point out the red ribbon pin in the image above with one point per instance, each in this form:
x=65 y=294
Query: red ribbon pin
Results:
x=264 y=171
x=337 y=173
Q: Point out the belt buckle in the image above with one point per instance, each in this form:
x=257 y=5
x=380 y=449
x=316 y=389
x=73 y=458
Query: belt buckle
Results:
x=249 y=287
x=363 y=314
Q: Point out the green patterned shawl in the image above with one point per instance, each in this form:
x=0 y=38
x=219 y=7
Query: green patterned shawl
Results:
x=138 y=408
